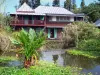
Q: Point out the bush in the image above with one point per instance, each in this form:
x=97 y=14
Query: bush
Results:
x=90 y=45
x=78 y=31
x=5 y=42
x=41 y=69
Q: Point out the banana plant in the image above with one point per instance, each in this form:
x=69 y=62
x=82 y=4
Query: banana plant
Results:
x=30 y=43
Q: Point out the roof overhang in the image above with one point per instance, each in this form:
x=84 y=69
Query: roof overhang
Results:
x=79 y=15
x=55 y=26
x=48 y=14
x=22 y=13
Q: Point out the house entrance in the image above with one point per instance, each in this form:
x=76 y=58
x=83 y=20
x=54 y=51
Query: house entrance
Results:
x=52 y=33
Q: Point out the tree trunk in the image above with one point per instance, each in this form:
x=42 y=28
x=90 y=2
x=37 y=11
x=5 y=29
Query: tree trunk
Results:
x=27 y=63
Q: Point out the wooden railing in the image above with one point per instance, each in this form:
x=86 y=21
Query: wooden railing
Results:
x=27 y=22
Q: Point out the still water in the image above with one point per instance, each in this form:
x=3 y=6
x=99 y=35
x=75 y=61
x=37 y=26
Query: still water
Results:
x=61 y=58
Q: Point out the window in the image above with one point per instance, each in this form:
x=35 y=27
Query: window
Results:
x=62 y=18
x=40 y=18
x=30 y=17
x=50 y=18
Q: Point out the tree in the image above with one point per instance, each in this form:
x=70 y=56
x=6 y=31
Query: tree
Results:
x=32 y=3
x=73 y=4
x=82 y=4
x=30 y=42
x=2 y=2
x=56 y=3
x=67 y=4
x=93 y=11
x=37 y=3
x=22 y=1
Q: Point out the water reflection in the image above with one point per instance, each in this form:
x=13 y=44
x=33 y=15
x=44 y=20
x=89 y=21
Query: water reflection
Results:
x=80 y=61
x=55 y=58
x=64 y=59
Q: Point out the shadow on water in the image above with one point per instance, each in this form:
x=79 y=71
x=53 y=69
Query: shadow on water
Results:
x=64 y=59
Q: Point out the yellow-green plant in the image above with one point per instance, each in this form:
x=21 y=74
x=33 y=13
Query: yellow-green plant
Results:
x=30 y=42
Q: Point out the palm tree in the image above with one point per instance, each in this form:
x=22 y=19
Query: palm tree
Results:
x=30 y=43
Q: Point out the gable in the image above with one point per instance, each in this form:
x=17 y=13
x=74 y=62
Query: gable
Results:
x=25 y=8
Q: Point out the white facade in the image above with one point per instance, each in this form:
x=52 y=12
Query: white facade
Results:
x=61 y=18
x=72 y=19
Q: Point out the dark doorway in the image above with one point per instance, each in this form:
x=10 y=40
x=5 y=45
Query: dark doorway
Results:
x=52 y=33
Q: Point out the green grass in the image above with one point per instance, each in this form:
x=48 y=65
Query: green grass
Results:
x=7 y=58
x=89 y=54
x=42 y=68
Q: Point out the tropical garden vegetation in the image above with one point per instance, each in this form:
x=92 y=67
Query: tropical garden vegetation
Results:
x=84 y=37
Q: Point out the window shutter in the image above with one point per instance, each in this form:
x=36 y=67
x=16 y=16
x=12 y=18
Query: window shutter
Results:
x=55 y=33
x=48 y=33
x=26 y=20
x=32 y=20
x=42 y=17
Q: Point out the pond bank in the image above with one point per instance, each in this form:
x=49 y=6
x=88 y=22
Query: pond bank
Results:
x=89 y=54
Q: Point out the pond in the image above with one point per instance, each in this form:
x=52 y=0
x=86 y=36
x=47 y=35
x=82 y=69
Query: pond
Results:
x=61 y=58
x=64 y=59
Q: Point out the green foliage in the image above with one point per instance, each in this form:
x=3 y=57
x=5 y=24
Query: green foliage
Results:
x=82 y=53
x=37 y=3
x=86 y=31
x=67 y=4
x=22 y=1
x=93 y=11
x=79 y=31
x=56 y=3
x=90 y=45
x=85 y=36
x=5 y=22
x=82 y=4
x=32 y=3
x=30 y=42
x=4 y=59
x=42 y=68
x=76 y=10
x=8 y=28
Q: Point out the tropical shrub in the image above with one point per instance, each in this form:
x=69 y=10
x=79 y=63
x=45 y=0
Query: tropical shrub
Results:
x=90 y=45
x=30 y=43
x=78 y=31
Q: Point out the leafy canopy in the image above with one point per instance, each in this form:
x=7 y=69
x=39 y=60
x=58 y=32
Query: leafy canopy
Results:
x=93 y=11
